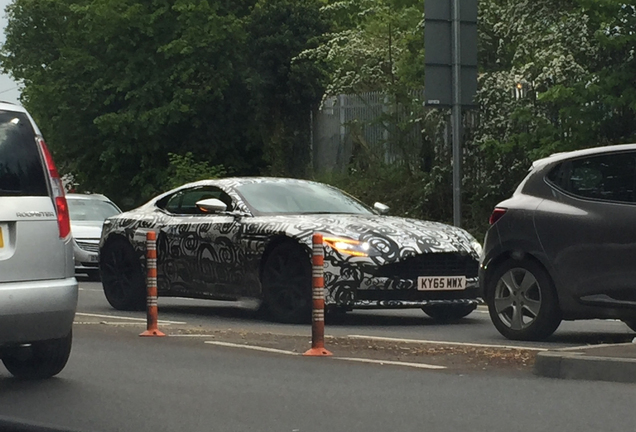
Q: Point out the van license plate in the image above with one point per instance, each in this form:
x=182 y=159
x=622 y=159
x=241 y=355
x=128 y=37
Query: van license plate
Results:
x=441 y=283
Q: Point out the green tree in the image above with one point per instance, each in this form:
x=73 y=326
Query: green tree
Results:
x=117 y=85
x=283 y=92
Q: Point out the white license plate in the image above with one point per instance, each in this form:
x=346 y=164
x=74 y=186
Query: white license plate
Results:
x=441 y=283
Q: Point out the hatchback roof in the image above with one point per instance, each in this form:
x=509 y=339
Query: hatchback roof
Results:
x=556 y=157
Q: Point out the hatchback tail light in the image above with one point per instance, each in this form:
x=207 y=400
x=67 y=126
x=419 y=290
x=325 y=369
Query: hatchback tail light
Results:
x=57 y=188
x=497 y=213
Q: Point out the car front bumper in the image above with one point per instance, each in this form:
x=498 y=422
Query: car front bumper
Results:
x=351 y=296
x=86 y=259
x=36 y=310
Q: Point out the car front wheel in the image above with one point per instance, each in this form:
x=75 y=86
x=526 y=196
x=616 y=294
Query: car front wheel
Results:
x=286 y=281
x=122 y=276
x=522 y=301
x=41 y=360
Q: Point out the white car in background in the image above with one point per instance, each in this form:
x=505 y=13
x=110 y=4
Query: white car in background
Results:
x=88 y=212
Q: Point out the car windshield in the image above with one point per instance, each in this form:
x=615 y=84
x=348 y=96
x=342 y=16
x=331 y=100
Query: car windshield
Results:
x=299 y=198
x=90 y=209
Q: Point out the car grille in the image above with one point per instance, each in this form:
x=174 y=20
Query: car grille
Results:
x=88 y=247
x=431 y=264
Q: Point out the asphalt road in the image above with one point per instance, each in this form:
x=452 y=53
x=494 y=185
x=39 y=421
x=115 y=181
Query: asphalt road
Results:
x=116 y=381
x=402 y=324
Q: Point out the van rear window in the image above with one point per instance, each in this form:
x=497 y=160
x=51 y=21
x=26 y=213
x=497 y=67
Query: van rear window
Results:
x=21 y=169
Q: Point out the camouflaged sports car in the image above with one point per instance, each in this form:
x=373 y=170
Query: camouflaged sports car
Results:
x=238 y=238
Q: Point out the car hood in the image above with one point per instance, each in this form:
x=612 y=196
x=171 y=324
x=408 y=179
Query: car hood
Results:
x=87 y=229
x=393 y=237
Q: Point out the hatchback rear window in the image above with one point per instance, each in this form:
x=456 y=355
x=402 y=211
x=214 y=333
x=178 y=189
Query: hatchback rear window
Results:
x=21 y=169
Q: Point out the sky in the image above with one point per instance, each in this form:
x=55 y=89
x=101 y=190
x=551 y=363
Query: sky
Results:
x=8 y=88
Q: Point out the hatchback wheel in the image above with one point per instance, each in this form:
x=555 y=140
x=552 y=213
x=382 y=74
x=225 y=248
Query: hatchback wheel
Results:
x=41 y=360
x=522 y=301
x=122 y=276
x=286 y=281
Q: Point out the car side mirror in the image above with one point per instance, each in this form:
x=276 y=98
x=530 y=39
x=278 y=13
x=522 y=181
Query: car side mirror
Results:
x=211 y=205
x=381 y=208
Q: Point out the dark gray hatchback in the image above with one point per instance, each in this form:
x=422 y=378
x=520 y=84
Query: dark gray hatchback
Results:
x=564 y=245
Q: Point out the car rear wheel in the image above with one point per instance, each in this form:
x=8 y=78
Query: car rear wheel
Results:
x=522 y=301
x=122 y=276
x=286 y=281
x=41 y=360
x=448 y=313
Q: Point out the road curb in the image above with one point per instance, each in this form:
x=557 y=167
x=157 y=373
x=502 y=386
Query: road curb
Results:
x=568 y=364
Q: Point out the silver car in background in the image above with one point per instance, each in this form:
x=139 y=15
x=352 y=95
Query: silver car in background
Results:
x=88 y=212
x=38 y=290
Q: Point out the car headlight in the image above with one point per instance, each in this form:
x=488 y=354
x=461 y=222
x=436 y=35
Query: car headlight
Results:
x=349 y=246
x=477 y=247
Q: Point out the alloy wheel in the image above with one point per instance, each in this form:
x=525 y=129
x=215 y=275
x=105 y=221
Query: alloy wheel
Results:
x=517 y=299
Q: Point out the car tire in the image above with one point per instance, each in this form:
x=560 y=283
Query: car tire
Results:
x=446 y=313
x=122 y=276
x=286 y=282
x=522 y=301
x=40 y=361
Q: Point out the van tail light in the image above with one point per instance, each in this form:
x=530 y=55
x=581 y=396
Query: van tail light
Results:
x=497 y=213
x=61 y=207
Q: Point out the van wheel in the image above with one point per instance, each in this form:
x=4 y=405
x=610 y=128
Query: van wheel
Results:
x=122 y=276
x=42 y=360
x=522 y=301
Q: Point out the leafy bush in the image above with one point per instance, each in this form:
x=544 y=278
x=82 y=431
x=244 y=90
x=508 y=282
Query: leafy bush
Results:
x=185 y=169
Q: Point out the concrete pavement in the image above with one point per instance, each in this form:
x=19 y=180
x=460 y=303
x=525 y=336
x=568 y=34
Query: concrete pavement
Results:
x=612 y=362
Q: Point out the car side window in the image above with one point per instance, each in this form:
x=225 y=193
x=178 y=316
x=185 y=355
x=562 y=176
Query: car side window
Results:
x=184 y=202
x=609 y=177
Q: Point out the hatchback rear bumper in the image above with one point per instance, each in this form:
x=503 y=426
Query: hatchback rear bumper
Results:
x=37 y=310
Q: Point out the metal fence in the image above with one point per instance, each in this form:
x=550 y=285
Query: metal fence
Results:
x=370 y=123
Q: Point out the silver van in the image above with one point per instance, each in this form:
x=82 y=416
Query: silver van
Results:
x=38 y=290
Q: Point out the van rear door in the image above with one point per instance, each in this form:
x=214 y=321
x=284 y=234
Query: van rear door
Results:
x=30 y=246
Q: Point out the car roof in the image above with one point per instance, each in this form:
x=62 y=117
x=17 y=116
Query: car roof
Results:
x=87 y=196
x=557 y=157
x=236 y=181
x=230 y=182
x=8 y=106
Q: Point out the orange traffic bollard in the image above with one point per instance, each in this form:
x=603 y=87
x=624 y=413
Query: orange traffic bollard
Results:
x=151 y=305
x=318 y=296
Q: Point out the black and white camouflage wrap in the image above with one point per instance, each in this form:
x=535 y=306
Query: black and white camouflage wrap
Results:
x=218 y=256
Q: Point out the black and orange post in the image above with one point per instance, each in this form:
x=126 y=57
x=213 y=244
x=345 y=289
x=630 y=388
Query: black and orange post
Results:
x=151 y=282
x=318 y=300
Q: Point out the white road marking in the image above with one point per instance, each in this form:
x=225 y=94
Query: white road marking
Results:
x=360 y=360
x=88 y=289
x=388 y=339
x=252 y=347
x=192 y=335
x=127 y=318
x=393 y=363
